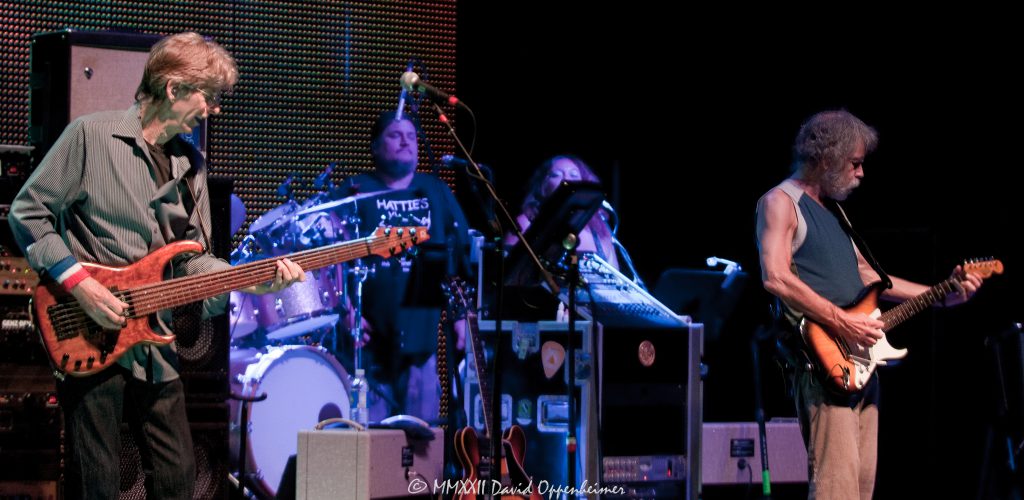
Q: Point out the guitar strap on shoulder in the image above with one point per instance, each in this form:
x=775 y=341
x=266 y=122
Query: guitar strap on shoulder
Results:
x=837 y=210
x=195 y=206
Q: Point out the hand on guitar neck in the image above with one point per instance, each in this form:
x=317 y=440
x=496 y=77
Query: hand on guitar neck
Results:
x=967 y=284
x=860 y=328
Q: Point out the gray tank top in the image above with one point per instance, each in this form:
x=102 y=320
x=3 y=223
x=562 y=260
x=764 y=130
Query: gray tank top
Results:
x=823 y=253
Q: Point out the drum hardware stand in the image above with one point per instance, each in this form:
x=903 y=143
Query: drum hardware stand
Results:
x=242 y=490
x=359 y=411
x=244 y=252
x=316 y=234
x=359 y=383
x=337 y=271
x=241 y=255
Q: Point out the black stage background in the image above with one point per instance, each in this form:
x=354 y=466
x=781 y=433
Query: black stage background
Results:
x=694 y=114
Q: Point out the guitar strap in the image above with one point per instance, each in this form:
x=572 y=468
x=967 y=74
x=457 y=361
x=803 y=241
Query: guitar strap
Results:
x=196 y=162
x=833 y=206
x=449 y=412
x=442 y=370
x=195 y=207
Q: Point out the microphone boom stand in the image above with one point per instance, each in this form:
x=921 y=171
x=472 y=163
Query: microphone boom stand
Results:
x=495 y=223
x=759 y=414
x=571 y=243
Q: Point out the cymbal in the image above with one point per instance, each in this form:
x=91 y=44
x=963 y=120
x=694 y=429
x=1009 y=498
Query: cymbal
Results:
x=332 y=205
x=274 y=218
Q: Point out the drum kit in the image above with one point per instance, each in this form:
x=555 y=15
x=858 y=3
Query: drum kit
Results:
x=285 y=344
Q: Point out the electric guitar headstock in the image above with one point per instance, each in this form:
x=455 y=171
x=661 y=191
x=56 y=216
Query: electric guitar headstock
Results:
x=984 y=267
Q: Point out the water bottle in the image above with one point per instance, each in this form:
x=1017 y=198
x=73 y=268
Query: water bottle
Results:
x=359 y=412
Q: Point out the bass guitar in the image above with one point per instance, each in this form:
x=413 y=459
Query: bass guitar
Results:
x=78 y=346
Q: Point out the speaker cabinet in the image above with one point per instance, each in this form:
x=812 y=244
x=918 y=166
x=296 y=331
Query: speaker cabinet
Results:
x=209 y=441
x=727 y=445
x=203 y=345
x=376 y=463
x=74 y=73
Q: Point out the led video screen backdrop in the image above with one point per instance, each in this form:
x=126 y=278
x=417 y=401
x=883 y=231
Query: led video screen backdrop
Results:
x=313 y=76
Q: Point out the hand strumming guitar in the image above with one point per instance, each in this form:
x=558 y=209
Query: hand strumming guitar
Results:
x=856 y=327
x=102 y=306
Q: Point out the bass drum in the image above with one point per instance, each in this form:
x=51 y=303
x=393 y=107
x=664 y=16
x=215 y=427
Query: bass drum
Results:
x=304 y=385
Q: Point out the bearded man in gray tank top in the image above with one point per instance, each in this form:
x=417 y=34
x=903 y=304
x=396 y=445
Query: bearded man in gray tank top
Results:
x=810 y=262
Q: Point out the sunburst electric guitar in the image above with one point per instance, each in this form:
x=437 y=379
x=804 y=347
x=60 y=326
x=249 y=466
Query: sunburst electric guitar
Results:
x=78 y=346
x=849 y=367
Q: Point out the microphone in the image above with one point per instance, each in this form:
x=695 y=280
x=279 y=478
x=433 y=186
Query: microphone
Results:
x=411 y=81
x=452 y=161
x=285 y=189
x=324 y=178
x=614 y=223
x=730 y=269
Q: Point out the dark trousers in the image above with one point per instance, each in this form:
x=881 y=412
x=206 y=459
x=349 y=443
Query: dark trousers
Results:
x=93 y=410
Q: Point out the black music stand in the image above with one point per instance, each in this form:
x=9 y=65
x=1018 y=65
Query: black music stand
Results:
x=554 y=235
x=567 y=211
x=709 y=297
x=704 y=295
